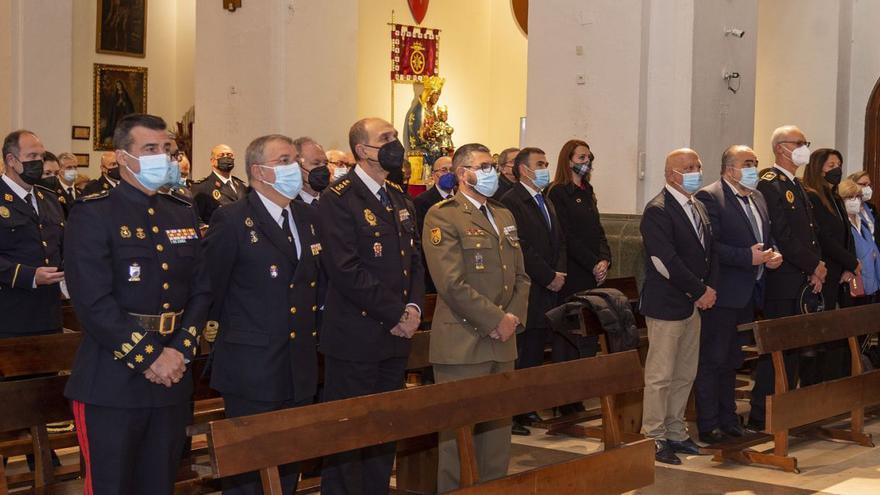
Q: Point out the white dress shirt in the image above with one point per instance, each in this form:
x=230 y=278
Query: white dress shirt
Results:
x=226 y=181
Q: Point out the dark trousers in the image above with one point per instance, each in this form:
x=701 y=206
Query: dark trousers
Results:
x=828 y=361
x=130 y=450
x=364 y=471
x=249 y=484
x=530 y=348
x=720 y=356
x=764 y=375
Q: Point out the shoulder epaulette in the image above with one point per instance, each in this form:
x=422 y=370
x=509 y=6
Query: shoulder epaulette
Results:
x=237 y=179
x=496 y=203
x=91 y=197
x=394 y=185
x=340 y=187
x=444 y=202
x=199 y=181
x=173 y=194
x=45 y=189
x=769 y=174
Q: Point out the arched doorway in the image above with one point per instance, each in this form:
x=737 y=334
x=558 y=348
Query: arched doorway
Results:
x=872 y=138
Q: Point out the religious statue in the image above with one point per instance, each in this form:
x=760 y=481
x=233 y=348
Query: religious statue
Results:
x=427 y=131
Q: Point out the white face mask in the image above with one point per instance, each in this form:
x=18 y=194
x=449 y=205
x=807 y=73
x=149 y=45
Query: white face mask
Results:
x=866 y=193
x=853 y=206
x=69 y=175
x=800 y=156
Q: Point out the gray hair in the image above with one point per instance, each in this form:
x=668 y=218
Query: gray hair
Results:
x=504 y=155
x=780 y=134
x=67 y=156
x=12 y=143
x=728 y=158
x=254 y=153
x=299 y=142
x=462 y=156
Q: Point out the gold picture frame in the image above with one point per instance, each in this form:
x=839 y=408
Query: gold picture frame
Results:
x=119 y=90
x=121 y=27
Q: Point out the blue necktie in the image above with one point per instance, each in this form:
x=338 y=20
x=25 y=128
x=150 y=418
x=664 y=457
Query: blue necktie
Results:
x=540 y=199
x=383 y=197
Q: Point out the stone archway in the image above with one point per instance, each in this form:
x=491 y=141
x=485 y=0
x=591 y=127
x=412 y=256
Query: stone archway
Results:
x=872 y=138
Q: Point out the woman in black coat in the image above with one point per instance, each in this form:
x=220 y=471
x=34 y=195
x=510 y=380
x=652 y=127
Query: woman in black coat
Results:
x=571 y=193
x=821 y=177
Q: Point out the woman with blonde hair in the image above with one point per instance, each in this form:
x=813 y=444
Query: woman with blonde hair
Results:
x=866 y=248
x=869 y=211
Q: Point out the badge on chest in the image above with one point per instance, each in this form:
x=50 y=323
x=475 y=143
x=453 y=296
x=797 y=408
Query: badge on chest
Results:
x=478 y=262
x=134 y=272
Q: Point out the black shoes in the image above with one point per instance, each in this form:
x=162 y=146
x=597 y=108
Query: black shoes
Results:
x=713 y=437
x=573 y=408
x=528 y=419
x=735 y=431
x=684 y=447
x=518 y=429
x=663 y=453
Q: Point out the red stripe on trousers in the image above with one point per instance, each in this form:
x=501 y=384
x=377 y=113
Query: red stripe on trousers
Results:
x=79 y=417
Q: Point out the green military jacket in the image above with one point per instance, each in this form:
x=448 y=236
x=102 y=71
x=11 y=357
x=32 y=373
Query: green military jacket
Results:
x=479 y=276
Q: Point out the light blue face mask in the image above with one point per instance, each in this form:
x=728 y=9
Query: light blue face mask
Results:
x=154 y=170
x=542 y=178
x=339 y=173
x=288 y=180
x=174 y=178
x=487 y=182
x=749 y=177
x=691 y=181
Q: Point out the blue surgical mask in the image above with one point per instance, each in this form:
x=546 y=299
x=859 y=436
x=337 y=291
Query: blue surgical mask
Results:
x=339 y=173
x=288 y=180
x=691 y=181
x=154 y=170
x=70 y=176
x=487 y=182
x=542 y=178
x=174 y=179
x=749 y=177
x=447 y=181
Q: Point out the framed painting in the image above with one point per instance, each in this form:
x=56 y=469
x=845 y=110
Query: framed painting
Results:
x=119 y=91
x=82 y=160
x=80 y=132
x=121 y=27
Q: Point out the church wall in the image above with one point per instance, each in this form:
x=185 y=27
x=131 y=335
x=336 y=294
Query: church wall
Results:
x=482 y=56
x=865 y=70
x=36 y=60
x=797 y=71
x=165 y=79
x=605 y=110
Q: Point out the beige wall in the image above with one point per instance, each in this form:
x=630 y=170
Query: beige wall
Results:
x=169 y=91
x=483 y=57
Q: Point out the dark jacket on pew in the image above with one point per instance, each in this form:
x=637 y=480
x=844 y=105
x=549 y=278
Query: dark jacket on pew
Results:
x=672 y=246
x=265 y=301
x=28 y=241
x=133 y=253
x=733 y=240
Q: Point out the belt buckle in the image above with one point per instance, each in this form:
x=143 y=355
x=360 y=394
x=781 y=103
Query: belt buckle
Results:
x=169 y=317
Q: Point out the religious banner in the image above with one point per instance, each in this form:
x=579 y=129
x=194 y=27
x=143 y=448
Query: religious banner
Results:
x=414 y=53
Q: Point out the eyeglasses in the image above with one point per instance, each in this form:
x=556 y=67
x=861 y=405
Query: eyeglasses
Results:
x=798 y=143
x=177 y=155
x=484 y=167
x=444 y=170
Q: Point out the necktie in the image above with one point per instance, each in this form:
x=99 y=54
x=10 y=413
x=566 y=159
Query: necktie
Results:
x=485 y=212
x=753 y=222
x=29 y=199
x=384 y=199
x=543 y=207
x=698 y=222
x=71 y=192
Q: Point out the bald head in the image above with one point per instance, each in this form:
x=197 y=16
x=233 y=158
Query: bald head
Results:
x=108 y=161
x=679 y=162
x=367 y=135
x=784 y=141
x=336 y=160
x=222 y=159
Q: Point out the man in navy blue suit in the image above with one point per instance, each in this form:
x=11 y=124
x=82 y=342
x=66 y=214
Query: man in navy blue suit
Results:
x=743 y=246
x=678 y=284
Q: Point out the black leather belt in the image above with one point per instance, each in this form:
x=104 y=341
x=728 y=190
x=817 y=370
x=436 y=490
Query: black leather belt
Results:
x=164 y=323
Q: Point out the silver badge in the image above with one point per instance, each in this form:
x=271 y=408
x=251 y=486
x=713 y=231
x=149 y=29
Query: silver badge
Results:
x=134 y=272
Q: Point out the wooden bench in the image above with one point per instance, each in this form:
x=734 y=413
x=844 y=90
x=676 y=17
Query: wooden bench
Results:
x=807 y=409
x=265 y=441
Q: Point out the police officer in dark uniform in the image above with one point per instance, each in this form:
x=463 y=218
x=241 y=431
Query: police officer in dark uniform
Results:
x=794 y=231
x=31 y=233
x=140 y=287
x=375 y=294
x=109 y=175
x=65 y=185
x=220 y=187
x=263 y=257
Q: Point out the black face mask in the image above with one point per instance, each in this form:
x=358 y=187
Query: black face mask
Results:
x=225 y=164
x=390 y=155
x=51 y=182
x=32 y=171
x=319 y=178
x=834 y=175
x=396 y=176
x=113 y=173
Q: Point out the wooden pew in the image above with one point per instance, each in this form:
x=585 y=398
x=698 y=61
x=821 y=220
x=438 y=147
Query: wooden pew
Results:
x=265 y=441
x=807 y=409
